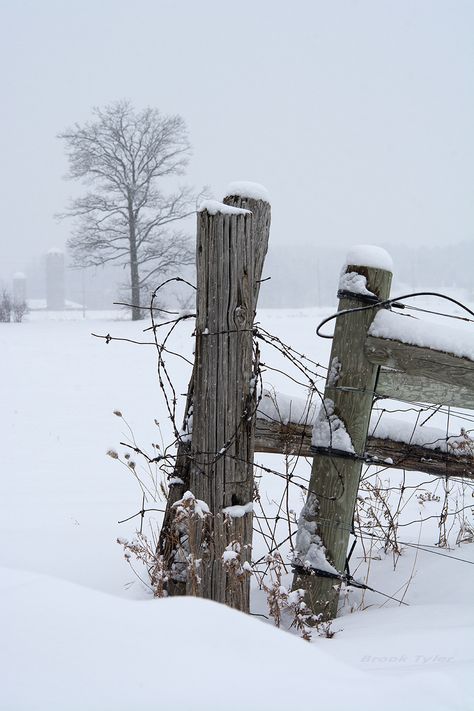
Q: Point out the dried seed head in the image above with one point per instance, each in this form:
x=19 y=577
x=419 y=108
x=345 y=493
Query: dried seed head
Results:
x=118 y=413
x=112 y=453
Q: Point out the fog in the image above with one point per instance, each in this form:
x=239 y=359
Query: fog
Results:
x=357 y=116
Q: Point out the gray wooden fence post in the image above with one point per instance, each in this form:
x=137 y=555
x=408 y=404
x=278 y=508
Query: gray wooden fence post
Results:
x=224 y=399
x=208 y=279
x=326 y=519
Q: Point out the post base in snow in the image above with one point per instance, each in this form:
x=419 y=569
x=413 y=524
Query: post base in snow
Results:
x=321 y=595
x=223 y=551
x=175 y=588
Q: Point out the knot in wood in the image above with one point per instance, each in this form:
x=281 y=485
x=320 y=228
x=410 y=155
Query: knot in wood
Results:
x=240 y=316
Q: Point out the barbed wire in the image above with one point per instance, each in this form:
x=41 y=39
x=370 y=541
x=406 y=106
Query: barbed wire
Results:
x=306 y=373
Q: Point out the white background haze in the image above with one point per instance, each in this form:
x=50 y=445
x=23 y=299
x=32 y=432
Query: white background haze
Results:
x=357 y=116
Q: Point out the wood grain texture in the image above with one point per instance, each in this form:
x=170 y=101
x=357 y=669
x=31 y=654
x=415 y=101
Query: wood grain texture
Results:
x=419 y=388
x=422 y=459
x=275 y=437
x=430 y=364
x=334 y=482
x=295 y=439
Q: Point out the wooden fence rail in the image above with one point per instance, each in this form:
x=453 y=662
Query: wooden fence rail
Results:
x=420 y=388
x=434 y=376
x=294 y=438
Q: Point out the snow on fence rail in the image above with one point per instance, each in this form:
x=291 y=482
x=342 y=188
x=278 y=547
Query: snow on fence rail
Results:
x=285 y=425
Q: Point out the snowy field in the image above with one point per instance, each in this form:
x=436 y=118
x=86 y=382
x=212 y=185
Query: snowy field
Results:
x=80 y=631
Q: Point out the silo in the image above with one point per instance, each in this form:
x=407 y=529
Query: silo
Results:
x=19 y=288
x=55 y=280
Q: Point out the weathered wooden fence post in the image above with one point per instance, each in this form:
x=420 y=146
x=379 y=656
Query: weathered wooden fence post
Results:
x=339 y=439
x=224 y=399
x=231 y=247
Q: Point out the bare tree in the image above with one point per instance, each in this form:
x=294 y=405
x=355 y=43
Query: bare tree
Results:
x=126 y=217
x=6 y=306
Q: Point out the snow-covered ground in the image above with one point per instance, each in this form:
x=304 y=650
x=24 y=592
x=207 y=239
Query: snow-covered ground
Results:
x=80 y=631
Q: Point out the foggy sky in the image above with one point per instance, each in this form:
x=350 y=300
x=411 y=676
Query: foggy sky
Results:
x=357 y=116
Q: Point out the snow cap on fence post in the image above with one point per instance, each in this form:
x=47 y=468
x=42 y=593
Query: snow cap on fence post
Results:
x=369 y=255
x=247 y=189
